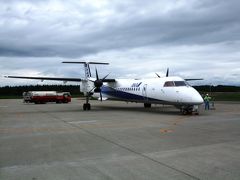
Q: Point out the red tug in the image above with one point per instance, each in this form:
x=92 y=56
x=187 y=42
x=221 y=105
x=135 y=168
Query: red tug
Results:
x=41 y=97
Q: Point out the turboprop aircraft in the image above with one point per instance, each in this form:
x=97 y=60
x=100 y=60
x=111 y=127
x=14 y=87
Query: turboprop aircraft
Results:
x=171 y=90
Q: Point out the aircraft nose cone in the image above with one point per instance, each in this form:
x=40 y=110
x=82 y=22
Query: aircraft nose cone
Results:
x=197 y=98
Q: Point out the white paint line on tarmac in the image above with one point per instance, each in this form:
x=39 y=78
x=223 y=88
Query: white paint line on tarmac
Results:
x=79 y=122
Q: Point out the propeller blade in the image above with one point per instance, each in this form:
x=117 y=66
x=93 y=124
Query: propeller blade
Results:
x=167 y=72
x=91 y=90
x=158 y=75
x=101 y=95
x=96 y=74
x=105 y=76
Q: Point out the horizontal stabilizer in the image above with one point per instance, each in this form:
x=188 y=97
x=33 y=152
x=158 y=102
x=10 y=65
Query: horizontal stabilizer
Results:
x=82 y=62
x=47 y=78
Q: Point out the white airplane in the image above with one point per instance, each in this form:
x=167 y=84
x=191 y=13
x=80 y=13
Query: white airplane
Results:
x=162 y=90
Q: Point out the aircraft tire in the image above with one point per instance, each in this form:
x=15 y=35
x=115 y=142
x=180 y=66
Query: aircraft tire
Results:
x=147 y=105
x=86 y=106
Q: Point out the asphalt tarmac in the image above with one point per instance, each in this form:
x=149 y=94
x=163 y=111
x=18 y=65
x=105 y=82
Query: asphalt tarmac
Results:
x=116 y=140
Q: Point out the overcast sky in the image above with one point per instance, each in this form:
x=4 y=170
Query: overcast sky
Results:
x=195 y=39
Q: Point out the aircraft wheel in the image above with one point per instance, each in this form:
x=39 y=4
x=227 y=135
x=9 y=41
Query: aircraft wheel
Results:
x=147 y=105
x=187 y=112
x=86 y=107
x=184 y=112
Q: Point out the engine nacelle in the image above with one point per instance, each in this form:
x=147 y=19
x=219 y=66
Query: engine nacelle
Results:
x=86 y=87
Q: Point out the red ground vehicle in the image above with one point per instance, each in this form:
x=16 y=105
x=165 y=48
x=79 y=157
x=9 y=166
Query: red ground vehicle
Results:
x=40 y=97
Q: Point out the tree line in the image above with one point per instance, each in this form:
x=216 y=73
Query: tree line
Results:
x=74 y=89
x=219 y=88
x=18 y=90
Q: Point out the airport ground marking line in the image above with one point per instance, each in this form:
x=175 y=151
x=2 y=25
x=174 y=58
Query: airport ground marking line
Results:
x=79 y=122
x=174 y=124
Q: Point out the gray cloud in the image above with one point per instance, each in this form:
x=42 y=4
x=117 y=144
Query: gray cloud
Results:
x=188 y=35
x=47 y=32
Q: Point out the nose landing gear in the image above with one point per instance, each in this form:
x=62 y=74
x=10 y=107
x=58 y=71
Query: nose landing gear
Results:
x=190 y=110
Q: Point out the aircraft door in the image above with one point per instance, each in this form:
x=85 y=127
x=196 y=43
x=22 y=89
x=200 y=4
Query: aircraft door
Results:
x=180 y=95
x=144 y=92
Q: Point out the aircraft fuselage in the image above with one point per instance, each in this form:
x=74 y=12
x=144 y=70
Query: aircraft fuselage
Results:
x=166 y=90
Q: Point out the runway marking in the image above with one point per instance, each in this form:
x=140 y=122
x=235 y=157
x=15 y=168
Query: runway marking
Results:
x=35 y=130
x=79 y=122
x=173 y=124
x=3 y=106
x=166 y=130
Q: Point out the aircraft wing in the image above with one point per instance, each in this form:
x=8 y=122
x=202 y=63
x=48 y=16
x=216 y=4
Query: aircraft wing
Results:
x=194 y=79
x=108 y=80
x=56 y=79
x=46 y=78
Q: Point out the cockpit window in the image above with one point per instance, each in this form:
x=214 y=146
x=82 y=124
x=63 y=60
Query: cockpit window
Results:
x=175 y=83
x=180 y=83
x=168 y=84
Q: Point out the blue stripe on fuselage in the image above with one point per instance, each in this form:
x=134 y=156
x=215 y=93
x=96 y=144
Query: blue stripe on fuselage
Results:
x=124 y=95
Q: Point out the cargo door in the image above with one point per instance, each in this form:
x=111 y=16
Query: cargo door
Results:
x=144 y=92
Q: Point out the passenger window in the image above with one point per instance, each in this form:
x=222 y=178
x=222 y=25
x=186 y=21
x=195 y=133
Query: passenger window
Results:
x=168 y=84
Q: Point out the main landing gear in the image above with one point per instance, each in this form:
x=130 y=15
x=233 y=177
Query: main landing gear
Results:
x=147 y=105
x=87 y=105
